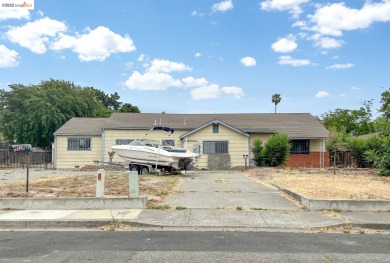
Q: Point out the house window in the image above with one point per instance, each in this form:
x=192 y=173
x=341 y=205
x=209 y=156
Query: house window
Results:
x=300 y=147
x=123 y=141
x=79 y=144
x=215 y=128
x=168 y=142
x=215 y=147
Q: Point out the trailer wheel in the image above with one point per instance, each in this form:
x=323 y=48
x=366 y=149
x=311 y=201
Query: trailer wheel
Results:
x=133 y=168
x=144 y=170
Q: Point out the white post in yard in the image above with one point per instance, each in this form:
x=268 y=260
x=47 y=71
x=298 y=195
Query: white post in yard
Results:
x=133 y=184
x=101 y=173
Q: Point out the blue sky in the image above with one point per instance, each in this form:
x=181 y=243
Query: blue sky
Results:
x=205 y=56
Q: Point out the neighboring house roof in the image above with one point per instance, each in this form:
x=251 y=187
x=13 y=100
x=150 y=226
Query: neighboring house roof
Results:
x=83 y=126
x=368 y=136
x=296 y=125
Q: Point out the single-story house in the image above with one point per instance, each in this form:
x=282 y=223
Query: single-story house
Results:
x=222 y=140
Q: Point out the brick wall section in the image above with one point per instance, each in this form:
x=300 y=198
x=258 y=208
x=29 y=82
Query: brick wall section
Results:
x=311 y=160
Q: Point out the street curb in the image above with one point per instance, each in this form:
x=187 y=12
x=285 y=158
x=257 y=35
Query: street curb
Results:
x=88 y=224
x=74 y=203
x=57 y=224
x=338 y=204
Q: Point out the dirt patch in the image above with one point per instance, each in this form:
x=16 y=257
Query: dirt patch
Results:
x=348 y=228
x=157 y=188
x=353 y=184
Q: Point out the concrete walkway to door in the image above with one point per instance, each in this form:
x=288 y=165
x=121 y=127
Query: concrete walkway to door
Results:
x=226 y=190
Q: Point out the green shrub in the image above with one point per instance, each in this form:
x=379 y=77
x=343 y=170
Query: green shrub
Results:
x=274 y=153
x=358 y=148
x=380 y=156
x=277 y=149
x=257 y=148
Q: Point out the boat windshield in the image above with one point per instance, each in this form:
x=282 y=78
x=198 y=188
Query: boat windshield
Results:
x=144 y=142
x=137 y=143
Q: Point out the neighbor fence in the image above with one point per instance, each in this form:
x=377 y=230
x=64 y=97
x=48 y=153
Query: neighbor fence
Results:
x=38 y=159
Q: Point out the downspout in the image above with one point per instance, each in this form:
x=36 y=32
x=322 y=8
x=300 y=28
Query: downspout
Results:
x=249 y=149
x=322 y=157
x=55 y=152
x=103 y=145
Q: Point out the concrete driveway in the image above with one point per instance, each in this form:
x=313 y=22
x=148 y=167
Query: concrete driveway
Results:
x=226 y=190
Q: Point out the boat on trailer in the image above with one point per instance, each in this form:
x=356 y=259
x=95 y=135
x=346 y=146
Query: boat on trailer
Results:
x=142 y=154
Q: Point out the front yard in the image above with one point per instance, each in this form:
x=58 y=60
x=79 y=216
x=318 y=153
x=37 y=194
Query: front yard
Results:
x=354 y=184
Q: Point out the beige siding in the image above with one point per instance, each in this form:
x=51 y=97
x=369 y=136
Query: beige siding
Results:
x=66 y=159
x=315 y=146
x=238 y=143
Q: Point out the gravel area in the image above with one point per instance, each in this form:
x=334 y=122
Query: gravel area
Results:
x=9 y=176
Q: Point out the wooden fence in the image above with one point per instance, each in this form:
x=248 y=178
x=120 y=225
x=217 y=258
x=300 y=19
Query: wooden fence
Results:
x=39 y=159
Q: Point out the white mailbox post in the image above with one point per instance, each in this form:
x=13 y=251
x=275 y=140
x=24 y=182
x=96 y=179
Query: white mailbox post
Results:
x=101 y=174
x=133 y=184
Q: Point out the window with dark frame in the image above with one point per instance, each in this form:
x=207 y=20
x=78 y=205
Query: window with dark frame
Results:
x=215 y=147
x=123 y=141
x=168 y=142
x=215 y=128
x=79 y=144
x=300 y=146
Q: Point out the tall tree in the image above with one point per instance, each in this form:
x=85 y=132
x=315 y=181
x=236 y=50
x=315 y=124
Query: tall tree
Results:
x=276 y=100
x=127 y=107
x=351 y=121
x=31 y=114
x=385 y=100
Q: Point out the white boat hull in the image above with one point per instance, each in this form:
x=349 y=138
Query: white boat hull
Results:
x=151 y=155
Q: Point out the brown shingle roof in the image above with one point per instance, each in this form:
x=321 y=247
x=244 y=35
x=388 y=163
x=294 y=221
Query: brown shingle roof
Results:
x=296 y=125
x=83 y=126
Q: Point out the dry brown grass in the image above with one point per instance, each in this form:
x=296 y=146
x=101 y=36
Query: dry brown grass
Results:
x=355 y=184
x=157 y=188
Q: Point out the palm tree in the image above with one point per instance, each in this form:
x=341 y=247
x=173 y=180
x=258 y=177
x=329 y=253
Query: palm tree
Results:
x=276 y=99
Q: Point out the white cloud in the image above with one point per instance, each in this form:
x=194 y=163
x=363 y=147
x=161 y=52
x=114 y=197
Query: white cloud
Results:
x=213 y=91
x=234 y=91
x=196 y=13
x=35 y=35
x=8 y=58
x=248 y=61
x=223 y=6
x=322 y=94
x=333 y=19
x=206 y=92
x=97 y=44
x=355 y=88
x=341 y=66
x=141 y=57
x=285 y=45
x=191 y=82
x=293 y=6
x=160 y=65
x=343 y=95
x=151 y=81
x=197 y=54
x=287 y=60
x=40 y=13
x=328 y=43
x=20 y=13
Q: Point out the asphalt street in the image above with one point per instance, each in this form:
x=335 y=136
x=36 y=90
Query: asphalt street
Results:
x=190 y=246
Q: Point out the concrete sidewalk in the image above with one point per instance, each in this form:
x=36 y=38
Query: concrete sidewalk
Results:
x=190 y=218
